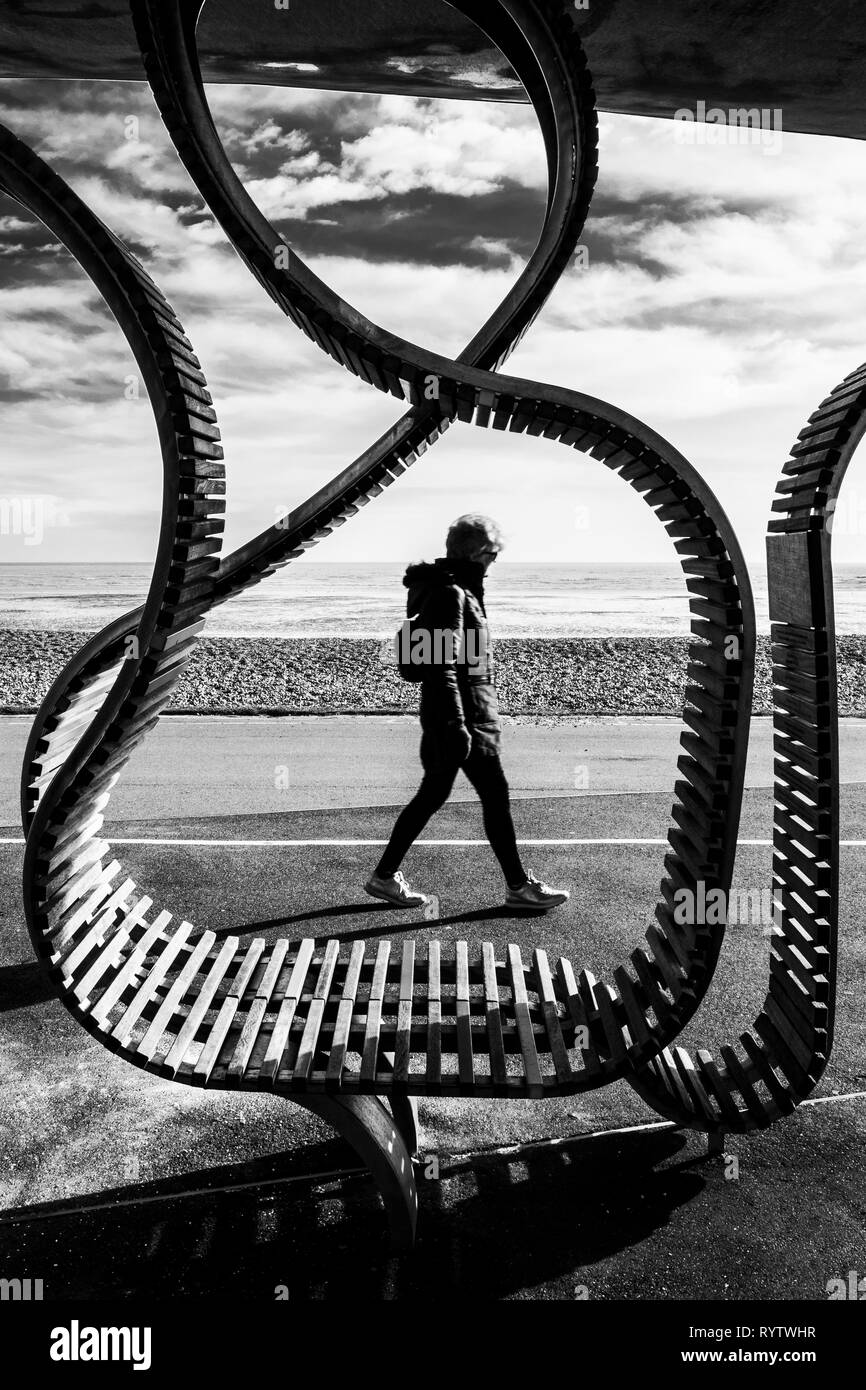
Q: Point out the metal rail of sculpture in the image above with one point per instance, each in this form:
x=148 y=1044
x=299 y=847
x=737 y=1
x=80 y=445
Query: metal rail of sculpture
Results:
x=292 y=1018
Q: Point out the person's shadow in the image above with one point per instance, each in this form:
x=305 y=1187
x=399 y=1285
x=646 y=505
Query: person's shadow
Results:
x=382 y=918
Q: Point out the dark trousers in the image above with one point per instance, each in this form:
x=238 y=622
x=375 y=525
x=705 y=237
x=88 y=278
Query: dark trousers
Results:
x=484 y=771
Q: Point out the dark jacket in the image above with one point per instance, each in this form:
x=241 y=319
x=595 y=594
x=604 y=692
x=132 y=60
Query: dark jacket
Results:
x=448 y=597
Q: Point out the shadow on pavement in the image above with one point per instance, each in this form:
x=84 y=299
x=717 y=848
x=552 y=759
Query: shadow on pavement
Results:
x=386 y=918
x=22 y=985
x=491 y=1226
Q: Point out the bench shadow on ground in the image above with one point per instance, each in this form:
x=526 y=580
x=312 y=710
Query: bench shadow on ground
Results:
x=491 y=1226
x=24 y=984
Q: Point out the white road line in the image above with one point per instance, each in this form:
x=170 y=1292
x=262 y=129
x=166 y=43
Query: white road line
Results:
x=295 y=844
x=559 y=1141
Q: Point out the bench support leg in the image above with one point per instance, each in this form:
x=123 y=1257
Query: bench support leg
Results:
x=405 y=1111
x=376 y=1137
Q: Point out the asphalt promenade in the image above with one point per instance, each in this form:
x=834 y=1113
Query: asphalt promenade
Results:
x=113 y=1181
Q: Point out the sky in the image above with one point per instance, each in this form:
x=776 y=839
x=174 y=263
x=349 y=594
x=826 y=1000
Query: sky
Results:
x=720 y=296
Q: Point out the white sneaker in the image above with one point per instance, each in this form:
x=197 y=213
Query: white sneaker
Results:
x=394 y=890
x=535 y=896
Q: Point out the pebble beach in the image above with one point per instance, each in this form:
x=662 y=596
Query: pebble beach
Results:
x=347 y=675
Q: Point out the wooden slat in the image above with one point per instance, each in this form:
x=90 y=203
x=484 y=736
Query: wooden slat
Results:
x=434 y=1019
x=68 y=923
x=403 y=1043
x=815 y=899
x=809 y=934
x=95 y=933
x=278 y=1042
x=465 y=1060
x=157 y=971
x=310 y=1036
x=638 y=1027
x=558 y=1049
x=792 y=831
x=677 y=1087
x=209 y=1055
x=701 y=1102
x=739 y=1076
x=720 y=1087
x=87 y=823
x=128 y=972
x=665 y=959
x=804 y=1037
x=370 y=1053
x=643 y=964
x=808 y=1014
x=345 y=1012
x=758 y=1056
x=259 y=1006
x=811 y=977
x=493 y=1017
x=112 y=953
x=577 y=1014
x=76 y=890
x=176 y=1055
x=781 y=1041
x=616 y=1042
x=167 y=1010
x=532 y=1070
x=814 y=869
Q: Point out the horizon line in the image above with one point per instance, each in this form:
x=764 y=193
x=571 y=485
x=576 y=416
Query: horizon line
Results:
x=112 y=564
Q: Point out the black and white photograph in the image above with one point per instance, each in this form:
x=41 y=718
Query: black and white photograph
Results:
x=432 y=677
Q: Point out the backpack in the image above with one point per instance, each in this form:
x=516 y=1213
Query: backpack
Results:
x=406 y=647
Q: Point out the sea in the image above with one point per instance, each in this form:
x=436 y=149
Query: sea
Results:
x=315 y=599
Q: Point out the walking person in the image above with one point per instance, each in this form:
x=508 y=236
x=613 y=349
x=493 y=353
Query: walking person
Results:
x=460 y=725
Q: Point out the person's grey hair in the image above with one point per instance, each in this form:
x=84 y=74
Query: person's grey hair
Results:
x=470 y=533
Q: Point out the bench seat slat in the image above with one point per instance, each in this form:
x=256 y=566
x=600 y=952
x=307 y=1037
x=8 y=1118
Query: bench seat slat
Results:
x=126 y=976
x=310 y=1038
x=370 y=1053
x=465 y=1058
x=402 y=1046
x=167 y=1010
x=272 y=1062
x=558 y=1049
x=493 y=1013
x=175 y=1057
x=209 y=1056
x=531 y=1068
x=256 y=1012
x=108 y=956
x=434 y=1018
x=123 y=1028
x=343 y=1025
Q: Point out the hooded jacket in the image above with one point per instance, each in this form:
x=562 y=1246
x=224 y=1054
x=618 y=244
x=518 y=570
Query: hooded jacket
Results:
x=447 y=599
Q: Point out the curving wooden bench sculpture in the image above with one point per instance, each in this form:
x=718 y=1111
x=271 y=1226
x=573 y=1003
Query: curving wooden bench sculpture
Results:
x=780 y=1060
x=339 y=1029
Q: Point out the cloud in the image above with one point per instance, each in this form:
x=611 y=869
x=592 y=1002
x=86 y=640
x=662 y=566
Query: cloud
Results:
x=725 y=294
